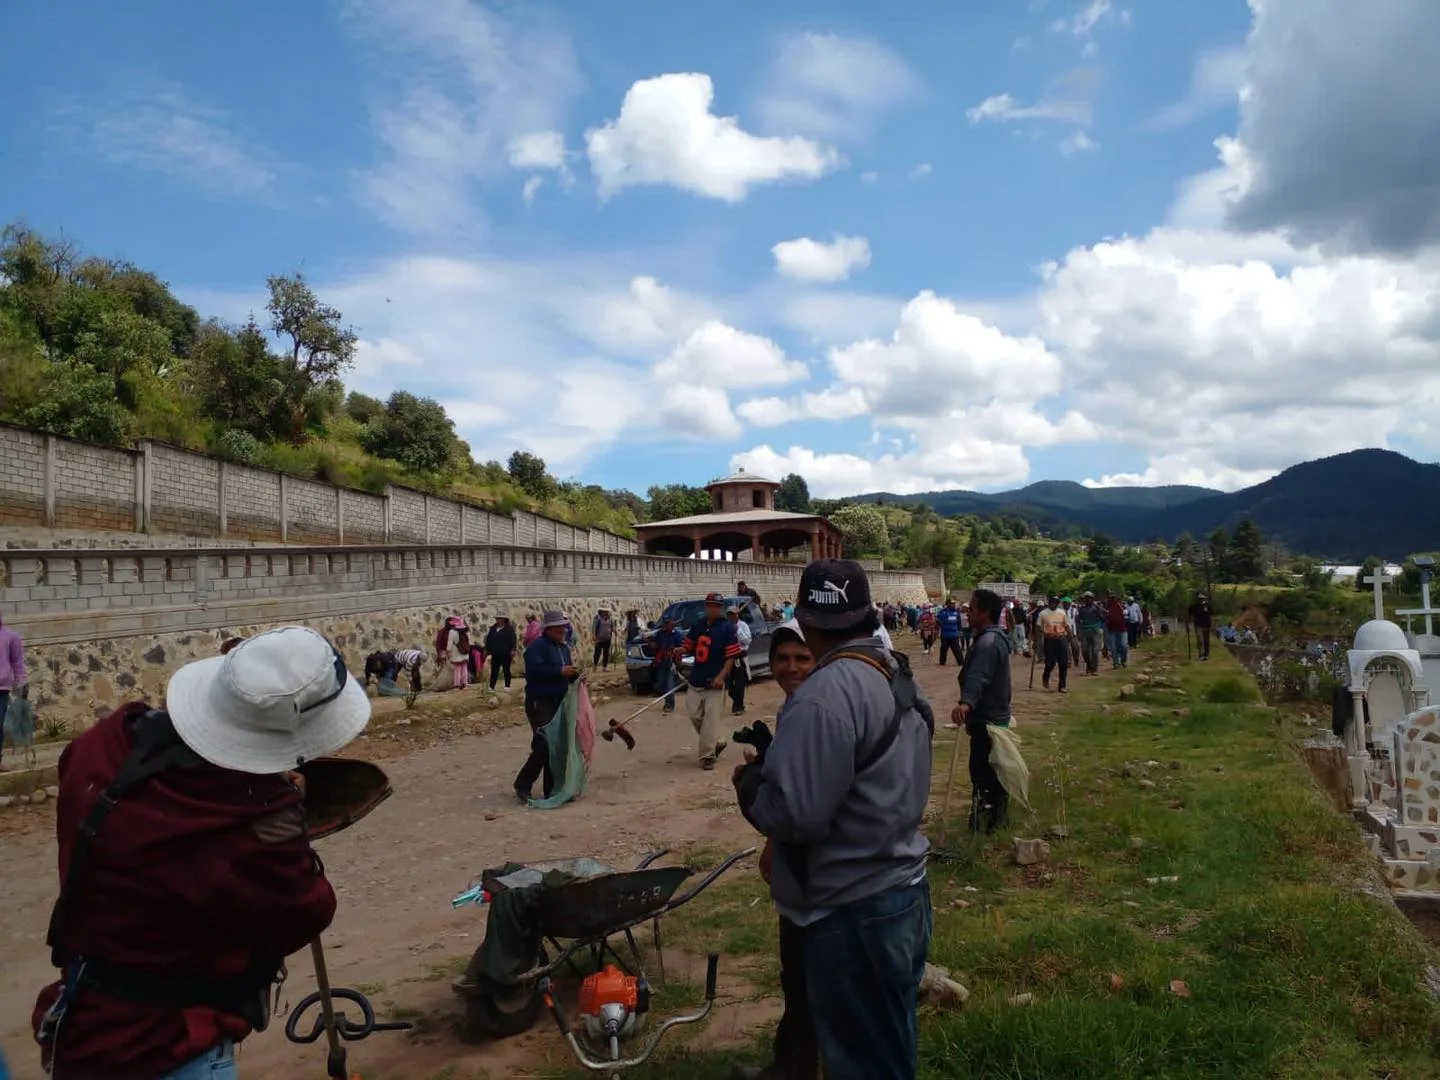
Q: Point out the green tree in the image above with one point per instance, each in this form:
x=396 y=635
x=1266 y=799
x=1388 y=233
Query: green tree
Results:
x=1244 y=555
x=416 y=432
x=78 y=402
x=527 y=471
x=931 y=545
x=1219 y=550
x=1101 y=552
x=238 y=380
x=793 y=494
x=864 y=527
x=362 y=408
x=1186 y=550
x=670 y=501
x=320 y=349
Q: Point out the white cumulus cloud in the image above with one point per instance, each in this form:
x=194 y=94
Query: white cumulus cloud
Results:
x=718 y=355
x=814 y=260
x=666 y=133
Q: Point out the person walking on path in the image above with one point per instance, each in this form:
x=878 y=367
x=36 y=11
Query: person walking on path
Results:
x=186 y=869
x=500 y=646
x=667 y=645
x=454 y=649
x=796 y=1055
x=1053 y=626
x=1091 y=620
x=985 y=703
x=1202 y=618
x=928 y=630
x=716 y=649
x=1072 y=616
x=740 y=671
x=841 y=793
x=1134 y=619
x=948 y=620
x=13 y=676
x=602 y=630
x=549 y=671
x=1116 y=639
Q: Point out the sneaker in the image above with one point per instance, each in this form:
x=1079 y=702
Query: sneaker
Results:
x=707 y=763
x=522 y=795
x=1064 y=690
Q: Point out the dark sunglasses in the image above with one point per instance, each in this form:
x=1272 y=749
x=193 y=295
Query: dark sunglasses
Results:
x=342 y=674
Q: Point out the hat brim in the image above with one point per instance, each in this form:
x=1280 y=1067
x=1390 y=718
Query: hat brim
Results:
x=207 y=722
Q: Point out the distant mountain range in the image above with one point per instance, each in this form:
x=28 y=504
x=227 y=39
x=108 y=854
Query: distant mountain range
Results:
x=1342 y=508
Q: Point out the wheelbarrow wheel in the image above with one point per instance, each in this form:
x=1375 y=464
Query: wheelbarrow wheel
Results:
x=496 y=1012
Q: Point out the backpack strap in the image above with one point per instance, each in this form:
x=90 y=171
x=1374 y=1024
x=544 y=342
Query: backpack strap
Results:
x=156 y=748
x=902 y=688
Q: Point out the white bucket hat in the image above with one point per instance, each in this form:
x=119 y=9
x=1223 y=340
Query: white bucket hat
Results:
x=275 y=701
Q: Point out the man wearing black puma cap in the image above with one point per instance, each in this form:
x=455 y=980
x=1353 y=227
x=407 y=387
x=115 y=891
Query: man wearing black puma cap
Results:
x=840 y=793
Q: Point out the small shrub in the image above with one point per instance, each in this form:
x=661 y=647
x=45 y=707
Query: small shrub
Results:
x=295 y=460
x=1230 y=690
x=238 y=446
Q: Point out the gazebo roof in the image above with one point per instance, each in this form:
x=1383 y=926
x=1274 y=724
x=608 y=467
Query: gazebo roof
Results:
x=742 y=477
x=738 y=517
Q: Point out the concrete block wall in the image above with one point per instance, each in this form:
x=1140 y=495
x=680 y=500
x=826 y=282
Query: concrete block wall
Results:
x=363 y=517
x=22 y=477
x=407 y=516
x=526 y=533
x=312 y=514
x=252 y=503
x=183 y=491
x=444 y=522
x=94 y=486
x=98 y=624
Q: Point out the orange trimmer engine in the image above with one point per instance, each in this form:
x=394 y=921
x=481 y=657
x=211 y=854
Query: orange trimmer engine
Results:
x=612 y=1004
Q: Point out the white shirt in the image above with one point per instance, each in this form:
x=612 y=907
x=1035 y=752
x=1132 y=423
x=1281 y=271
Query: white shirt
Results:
x=1132 y=613
x=743 y=633
x=883 y=636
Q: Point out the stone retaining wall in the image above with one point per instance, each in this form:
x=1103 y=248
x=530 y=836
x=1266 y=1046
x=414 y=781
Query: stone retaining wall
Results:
x=104 y=626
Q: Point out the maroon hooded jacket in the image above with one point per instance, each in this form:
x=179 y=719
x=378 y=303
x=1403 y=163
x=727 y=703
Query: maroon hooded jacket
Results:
x=195 y=872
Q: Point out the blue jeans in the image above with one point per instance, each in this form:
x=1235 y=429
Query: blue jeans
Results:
x=863 y=965
x=1119 y=646
x=217 y=1063
x=665 y=680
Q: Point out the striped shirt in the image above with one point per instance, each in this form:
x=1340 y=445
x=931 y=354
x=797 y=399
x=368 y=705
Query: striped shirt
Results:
x=409 y=658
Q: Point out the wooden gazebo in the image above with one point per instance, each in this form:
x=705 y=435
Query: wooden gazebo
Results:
x=742 y=518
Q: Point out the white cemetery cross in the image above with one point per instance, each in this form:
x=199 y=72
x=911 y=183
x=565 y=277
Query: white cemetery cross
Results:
x=1379 y=579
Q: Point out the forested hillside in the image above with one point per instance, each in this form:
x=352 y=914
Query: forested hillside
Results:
x=101 y=350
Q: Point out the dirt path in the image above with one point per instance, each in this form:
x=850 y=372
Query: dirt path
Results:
x=396 y=936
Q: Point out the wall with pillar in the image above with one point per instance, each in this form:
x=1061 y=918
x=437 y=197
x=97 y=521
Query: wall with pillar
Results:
x=101 y=626
x=157 y=489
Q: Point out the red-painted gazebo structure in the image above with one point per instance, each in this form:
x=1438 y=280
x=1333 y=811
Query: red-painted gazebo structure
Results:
x=742 y=518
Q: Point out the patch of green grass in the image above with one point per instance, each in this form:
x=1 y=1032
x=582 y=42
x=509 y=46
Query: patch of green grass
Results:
x=1288 y=972
x=1231 y=689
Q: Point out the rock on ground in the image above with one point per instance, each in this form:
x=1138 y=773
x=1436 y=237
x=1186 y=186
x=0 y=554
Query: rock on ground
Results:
x=1030 y=852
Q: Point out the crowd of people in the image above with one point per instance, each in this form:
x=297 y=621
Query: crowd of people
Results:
x=839 y=793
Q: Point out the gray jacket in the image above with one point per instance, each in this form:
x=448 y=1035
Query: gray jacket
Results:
x=841 y=837
x=985 y=679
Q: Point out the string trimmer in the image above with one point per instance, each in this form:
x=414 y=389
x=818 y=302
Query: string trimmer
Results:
x=618 y=727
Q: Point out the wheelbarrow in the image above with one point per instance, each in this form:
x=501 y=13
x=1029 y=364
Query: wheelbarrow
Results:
x=598 y=904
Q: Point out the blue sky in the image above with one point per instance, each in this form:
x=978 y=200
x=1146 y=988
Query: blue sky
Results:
x=963 y=244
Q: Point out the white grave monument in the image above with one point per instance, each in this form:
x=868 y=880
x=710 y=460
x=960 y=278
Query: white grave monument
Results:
x=1393 y=747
